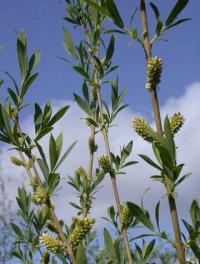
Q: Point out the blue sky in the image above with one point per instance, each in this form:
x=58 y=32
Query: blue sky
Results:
x=42 y=20
x=179 y=91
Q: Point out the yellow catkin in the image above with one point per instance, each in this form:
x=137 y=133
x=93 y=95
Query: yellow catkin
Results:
x=104 y=163
x=154 y=70
x=176 y=122
x=51 y=243
x=82 y=227
x=142 y=128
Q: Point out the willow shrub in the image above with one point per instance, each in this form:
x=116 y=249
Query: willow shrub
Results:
x=42 y=236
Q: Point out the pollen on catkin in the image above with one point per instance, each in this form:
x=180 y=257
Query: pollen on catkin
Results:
x=154 y=70
x=82 y=227
x=51 y=243
x=176 y=122
x=142 y=128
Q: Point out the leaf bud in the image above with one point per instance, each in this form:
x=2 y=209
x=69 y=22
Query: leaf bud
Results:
x=92 y=146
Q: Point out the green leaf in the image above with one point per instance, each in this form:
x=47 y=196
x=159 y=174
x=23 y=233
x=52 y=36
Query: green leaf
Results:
x=155 y=10
x=139 y=214
x=43 y=132
x=109 y=243
x=114 y=13
x=98 y=7
x=53 y=181
x=22 y=55
x=149 y=249
x=182 y=178
x=83 y=104
x=6 y=120
x=80 y=70
x=13 y=80
x=81 y=257
x=157 y=209
x=34 y=61
x=59 y=144
x=13 y=96
x=37 y=118
x=17 y=230
x=170 y=145
x=180 y=21
x=58 y=115
x=194 y=212
x=44 y=168
x=150 y=162
x=180 y=5
x=27 y=83
x=53 y=152
x=65 y=156
x=69 y=43
x=110 y=49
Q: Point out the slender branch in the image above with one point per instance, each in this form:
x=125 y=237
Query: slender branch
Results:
x=53 y=216
x=106 y=140
x=113 y=178
x=91 y=162
x=156 y=109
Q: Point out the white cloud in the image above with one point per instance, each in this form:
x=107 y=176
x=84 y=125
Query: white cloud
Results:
x=132 y=185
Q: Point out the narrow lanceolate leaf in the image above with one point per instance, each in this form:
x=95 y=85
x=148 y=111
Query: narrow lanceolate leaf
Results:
x=157 y=209
x=13 y=96
x=34 y=60
x=81 y=257
x=114 y=13
x=6 y=120
x=180 y=5
x=155 y=10
x=139 y=214
x=109 y=243
x=178 y=22
x=69 y=43
x=22 y=54
x=149 y=249
x=98 y=7
x=110 y=50
x=65 y=156
x=27 y=83
x=83 y=104
x=53 y=152
x=80 y=70
x=150 y=162
x=58 y=115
